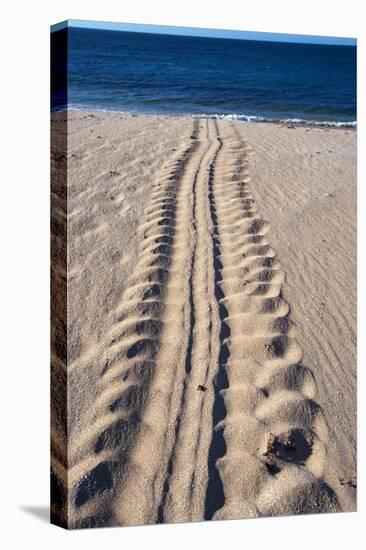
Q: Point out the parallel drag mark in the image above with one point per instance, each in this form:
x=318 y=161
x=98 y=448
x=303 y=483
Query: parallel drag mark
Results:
x=183 y=488
x=215 y=496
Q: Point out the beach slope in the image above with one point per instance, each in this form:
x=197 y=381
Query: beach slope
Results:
x=211 y=319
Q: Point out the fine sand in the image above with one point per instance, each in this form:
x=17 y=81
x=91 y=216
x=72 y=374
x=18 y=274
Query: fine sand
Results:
x=211 y=320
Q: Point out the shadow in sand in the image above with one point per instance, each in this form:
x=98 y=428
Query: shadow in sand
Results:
x=40 y=512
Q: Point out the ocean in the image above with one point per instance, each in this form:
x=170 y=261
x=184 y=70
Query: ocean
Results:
x=214 y=77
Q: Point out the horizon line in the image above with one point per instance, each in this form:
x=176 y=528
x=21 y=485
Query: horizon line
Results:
x=200 y=32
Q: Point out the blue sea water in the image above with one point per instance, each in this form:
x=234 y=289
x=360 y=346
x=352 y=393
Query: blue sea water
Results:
x=244 y=79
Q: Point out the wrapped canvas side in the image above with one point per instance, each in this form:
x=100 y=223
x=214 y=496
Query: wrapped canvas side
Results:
x=59 y=464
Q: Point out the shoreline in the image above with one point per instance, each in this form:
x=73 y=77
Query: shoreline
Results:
x=255 y=119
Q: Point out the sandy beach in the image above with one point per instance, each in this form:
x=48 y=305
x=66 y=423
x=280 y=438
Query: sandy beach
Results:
x=211 y=287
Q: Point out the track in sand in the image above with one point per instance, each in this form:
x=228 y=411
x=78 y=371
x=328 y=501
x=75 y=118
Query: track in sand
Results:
x=204 y=410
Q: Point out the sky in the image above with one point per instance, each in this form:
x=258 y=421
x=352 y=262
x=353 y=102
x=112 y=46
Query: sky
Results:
x=210 y=33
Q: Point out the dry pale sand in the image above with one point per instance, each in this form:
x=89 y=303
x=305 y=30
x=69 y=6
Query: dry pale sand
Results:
x=211 y=321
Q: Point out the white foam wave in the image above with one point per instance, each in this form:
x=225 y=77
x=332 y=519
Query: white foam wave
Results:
x=300 y=121
x=228 y=116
